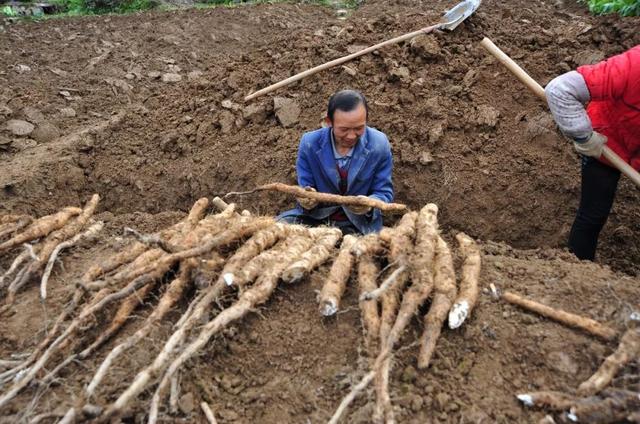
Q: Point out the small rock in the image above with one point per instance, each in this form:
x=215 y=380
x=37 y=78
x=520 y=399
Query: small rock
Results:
x=453 y=90
x=409 y=374
x=436 y=133
x=426 y=47
x=539 y=124
x=229 y=104
x=23 y=143
x=227 y=121
x=470 y=78
x=425 y=158
x=256 y=113
x=452 y=406
x=561 y=361
x=287 y=111
x=64 y=93
x=154 y=74
x=5 y=110
x=442 y=400
x=170 y=77
x=33 y=115
x=588 y=57
x=417 y=403
x=68 y=112
x=487 y=115
x=399 y=73
x=45 y=132
x=187 y=403
x=477 y=416
x=22 y=68
x=168 y=141
x=130 y=76
x=229 y=415
x=194 y=75
x=349 y=70
x=19 y=127
x=5 y=143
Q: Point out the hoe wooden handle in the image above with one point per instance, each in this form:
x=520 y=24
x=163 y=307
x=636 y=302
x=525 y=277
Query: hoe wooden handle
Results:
x=537 y=89
x=340 y=61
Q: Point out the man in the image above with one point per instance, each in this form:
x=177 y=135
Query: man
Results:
x=612 y=89
x=348 y=158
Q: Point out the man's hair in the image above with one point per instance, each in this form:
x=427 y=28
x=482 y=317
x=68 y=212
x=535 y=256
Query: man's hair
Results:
x=346 y=101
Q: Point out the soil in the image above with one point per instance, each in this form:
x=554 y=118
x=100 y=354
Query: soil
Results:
x=147 y=110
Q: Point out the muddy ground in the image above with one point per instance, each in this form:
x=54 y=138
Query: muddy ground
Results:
x=147 y=110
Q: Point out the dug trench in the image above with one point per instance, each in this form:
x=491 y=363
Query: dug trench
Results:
x=147 y=110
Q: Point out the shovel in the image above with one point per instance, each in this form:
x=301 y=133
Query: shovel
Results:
x=449 y=21
x=537 y=89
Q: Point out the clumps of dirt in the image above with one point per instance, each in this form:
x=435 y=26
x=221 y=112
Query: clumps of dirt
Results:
x=464 y=133
x=278 y=363
x=147 y=111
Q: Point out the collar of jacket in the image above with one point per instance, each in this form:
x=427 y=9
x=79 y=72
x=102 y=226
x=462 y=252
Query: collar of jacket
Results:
x=359 y=157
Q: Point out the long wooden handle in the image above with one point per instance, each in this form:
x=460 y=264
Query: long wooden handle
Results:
x=537 y=89
x=339 y=61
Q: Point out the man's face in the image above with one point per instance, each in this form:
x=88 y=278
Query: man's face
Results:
x=348 y=127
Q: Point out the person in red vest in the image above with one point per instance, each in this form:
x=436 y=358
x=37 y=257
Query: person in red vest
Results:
x=611 y=91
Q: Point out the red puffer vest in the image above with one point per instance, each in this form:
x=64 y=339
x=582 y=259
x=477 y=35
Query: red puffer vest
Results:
x=614 y=85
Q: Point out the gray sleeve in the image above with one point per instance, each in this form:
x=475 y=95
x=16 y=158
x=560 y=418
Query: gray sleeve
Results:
x=567 y=96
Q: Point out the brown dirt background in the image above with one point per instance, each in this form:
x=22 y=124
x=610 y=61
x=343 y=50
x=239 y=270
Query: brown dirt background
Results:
x=500 y=172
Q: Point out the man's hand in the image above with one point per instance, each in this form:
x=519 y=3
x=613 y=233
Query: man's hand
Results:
x=305 y=202
x=360 y=210
x=592 y=146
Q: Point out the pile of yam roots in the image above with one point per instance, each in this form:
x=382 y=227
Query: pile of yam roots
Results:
x=233 y=262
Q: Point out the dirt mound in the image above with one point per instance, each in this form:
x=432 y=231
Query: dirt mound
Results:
x=288 y=363
x=464 y=133
x=147 y=110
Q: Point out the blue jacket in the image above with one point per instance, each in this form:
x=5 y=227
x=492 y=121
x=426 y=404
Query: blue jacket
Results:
x=369 y=174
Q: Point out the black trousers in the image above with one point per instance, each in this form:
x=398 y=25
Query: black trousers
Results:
x=599 y=185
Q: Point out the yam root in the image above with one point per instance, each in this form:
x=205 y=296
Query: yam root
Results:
x=421 y=275
x=327 y=197
x=444 y=280
x=52 y=241
x=368 y=270
x=616 y=406
x=90 y=233
x=208 y=413
x=263 y=261
x=41 y=227
x=586 y=324
x=320 y=253
x=400 y=248
x=469 y=281
x=13 y=226
x=336 y=283
x=395 y=278
x=121 y=316
x=627 y=351
x=371 y=245
x=259 y=242
x=247 y=301
x=557 y=401
x=172 y=294
x=208 y=245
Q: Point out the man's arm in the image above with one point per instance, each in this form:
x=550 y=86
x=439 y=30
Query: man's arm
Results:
x=305 y=176
x=382 y=186
x=303 y=169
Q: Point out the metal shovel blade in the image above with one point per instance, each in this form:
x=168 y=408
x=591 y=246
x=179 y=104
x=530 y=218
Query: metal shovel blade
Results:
x=459 y=13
